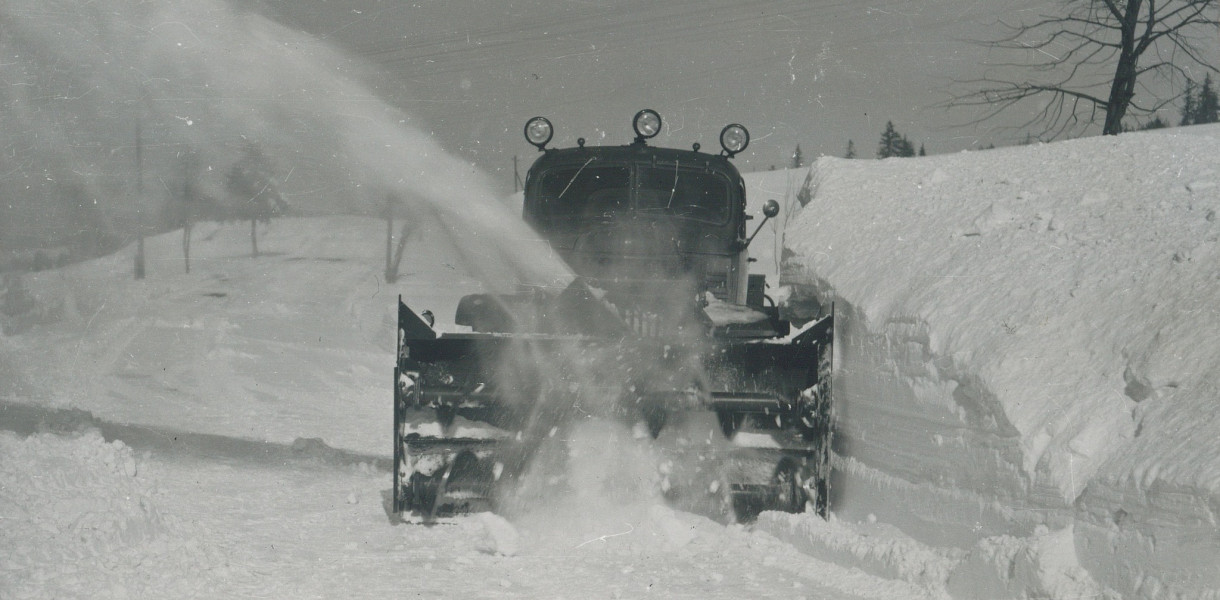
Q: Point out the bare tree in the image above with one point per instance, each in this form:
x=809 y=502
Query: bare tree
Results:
x=1092 y=60
x=393 y=257
x=252 y=184
x=192 y=204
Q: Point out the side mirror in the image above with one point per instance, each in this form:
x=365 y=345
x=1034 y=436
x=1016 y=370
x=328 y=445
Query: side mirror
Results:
x=770 y=210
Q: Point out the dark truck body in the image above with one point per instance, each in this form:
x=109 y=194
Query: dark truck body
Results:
x=662 y=328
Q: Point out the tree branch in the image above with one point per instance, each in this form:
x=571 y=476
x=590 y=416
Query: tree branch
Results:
x=1088 y=39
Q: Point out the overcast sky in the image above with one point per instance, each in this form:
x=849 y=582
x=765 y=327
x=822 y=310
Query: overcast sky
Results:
x=810 y=72
x=351 y=98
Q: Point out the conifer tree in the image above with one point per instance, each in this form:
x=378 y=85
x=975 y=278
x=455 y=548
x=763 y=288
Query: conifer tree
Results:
x=851 y=150
x=1201 y=104
x=1157 y=123
x=1188 y=109
x=894 y=144
x=905 y=148
x=891 y=142
x=1207 y=110
x=797 y=160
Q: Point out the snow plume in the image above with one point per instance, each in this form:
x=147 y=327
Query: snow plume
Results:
x=197 y=82
x=578 y=398
x=594 y=403
x=598 y=487
x=588 y=479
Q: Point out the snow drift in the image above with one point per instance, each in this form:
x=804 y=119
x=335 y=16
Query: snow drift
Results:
x=1027 y=345
x=81 y=519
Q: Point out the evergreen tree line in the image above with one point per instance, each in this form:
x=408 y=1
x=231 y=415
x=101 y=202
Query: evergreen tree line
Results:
x=892 y=144
x=1200 y=106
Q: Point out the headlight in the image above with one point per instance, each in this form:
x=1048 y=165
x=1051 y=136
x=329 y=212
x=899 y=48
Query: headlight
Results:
x=647 y=123
x=734 y=138
x=538 y=131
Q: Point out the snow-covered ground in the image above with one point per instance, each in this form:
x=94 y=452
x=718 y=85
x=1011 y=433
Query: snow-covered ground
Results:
x=1026 y=381
x=248 y=408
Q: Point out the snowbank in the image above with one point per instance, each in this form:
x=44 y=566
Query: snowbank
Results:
x=77 y=519
x=1026 y=342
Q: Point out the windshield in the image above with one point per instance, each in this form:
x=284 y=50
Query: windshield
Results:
x=585 y=191
x=688 y=193
x=596 y=191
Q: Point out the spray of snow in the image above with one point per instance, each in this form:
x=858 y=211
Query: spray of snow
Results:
x=199 y=81
x=593 y=479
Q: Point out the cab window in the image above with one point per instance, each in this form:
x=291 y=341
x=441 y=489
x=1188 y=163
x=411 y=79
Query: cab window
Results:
x=684 y=192
x=585 y=191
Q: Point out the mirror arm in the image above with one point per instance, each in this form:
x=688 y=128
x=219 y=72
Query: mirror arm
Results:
x=770 y=209
x=746 y=243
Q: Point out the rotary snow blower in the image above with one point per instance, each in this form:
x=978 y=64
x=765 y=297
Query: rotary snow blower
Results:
x=663 y=329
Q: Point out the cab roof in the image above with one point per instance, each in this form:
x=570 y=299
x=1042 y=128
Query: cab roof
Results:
x=638 y=153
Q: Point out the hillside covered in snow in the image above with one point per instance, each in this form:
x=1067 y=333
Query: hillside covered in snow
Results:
x=1026 y=383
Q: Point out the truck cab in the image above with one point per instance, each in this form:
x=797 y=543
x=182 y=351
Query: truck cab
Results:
x=641 y=220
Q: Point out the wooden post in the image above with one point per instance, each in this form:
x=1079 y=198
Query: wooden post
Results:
x=188 y=192
x=254 y=236
x=139 y=201
x=140 y=256
x=391 y=273
x=517 y=185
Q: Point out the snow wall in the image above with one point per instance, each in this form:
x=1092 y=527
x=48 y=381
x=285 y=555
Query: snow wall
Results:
x=1027 y=350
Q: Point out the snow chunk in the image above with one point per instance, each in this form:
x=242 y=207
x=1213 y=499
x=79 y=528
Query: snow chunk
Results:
x=722 y=313
x=499 y=536
x=994 y=217
x=1196 y=187
x=936 y=177
x=677 y=533
x=1041 y=566
x=876 y=548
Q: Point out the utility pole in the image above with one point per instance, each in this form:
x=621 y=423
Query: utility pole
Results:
x=391 y=264
x=188 y=195
x=390 y=274
x=517 y=184
x=139 y=201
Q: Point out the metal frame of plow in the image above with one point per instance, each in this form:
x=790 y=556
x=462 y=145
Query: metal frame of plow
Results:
x=787 y=384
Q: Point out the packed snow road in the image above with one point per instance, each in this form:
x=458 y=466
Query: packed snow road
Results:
x=179 y=518
x=226 y=433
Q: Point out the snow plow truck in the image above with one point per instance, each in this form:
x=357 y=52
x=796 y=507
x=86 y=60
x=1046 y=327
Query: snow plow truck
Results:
x=663 y=328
